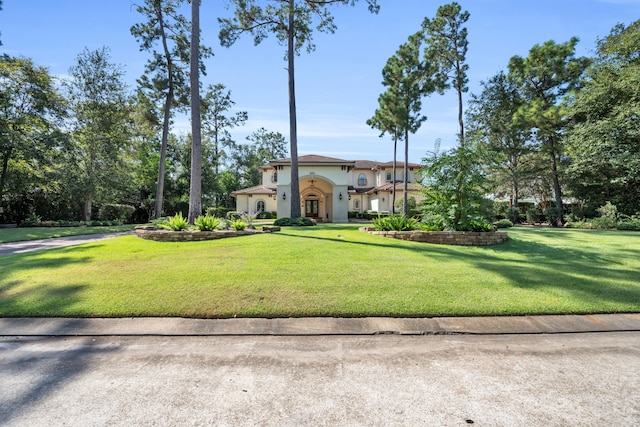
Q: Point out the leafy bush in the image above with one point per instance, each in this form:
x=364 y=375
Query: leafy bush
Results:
x=206 y=222
x=608 y=211
x=111 y=212
x=32 y=222
x=395 y=223
x=432 y=222
x=513 y=215
x=551 y=214
x=218 y=212
x=300 y=221
x=265 y=215
x=630 y=225
x=503 y=223
x=305 y=222
x=238 y=224
x=474 y=223
x=533 y=215
x=233 y=215
x=282 y=222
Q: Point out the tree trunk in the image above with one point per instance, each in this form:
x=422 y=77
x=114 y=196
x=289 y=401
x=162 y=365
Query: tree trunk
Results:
x=393 y=192
x=3 y=175
x=195 y=191
x=293 y=129
x=556 y=189
x=460 y=120
x=167 y=118
x=86 y=209
x=406 y=172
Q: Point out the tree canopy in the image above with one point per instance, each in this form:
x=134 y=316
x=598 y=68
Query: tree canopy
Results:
x=604 y=141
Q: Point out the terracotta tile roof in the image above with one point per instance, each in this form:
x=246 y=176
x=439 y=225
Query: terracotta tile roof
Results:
x=399 y=187
x=398 y=165
x=352 y=189
x=258 y=189
x=312 y=158
x=365 y=164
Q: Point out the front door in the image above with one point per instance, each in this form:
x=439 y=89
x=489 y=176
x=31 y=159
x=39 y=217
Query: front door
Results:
x=311 y=209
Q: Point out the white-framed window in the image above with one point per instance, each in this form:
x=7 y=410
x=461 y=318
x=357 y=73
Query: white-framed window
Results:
x=260 y=205
x=362 y=180
x=389 y=179
x=274 y=177
x=356 y=204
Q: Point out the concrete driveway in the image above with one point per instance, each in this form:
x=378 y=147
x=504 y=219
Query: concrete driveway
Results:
x=385 y=380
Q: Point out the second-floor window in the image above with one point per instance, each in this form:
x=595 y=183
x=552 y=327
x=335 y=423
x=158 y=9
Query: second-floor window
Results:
x=389 y=177
x=274 y=177
x=362 y=180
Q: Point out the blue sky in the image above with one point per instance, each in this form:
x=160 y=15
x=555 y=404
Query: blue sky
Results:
x=338 y=84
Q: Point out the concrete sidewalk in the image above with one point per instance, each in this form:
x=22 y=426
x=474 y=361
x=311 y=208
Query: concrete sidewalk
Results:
x=318 y=326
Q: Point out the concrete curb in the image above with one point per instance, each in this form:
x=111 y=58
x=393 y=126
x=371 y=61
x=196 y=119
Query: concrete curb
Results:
x=318 y=326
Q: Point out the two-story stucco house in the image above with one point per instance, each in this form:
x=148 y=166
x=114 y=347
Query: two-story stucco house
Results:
x=330 y=188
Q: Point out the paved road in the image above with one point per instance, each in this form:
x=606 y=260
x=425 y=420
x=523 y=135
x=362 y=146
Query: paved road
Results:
x=57 y=242
x=433 y=380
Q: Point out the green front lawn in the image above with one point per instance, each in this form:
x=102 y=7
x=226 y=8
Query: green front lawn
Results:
x=328 y=270
x=35 y=233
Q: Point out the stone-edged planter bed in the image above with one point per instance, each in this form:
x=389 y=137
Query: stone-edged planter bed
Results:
x=160 y=235
x=460 y=238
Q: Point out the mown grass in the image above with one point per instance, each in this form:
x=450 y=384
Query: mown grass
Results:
x=35 y=233
x=328 y=270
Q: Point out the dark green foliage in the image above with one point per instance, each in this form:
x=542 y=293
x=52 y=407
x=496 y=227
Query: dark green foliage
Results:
x=604 y=141
x=547 y=78
x=503 y=223
x=114 y=211
x=35 y=222
x=219 y=211
x=395 y=223
x=455 y=187
x=300 y=221
x=631 y=224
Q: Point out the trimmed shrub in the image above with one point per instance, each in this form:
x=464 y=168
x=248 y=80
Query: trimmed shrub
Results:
x=300 y=221
x=629 y=225
x=503 y=223
x=111 y=212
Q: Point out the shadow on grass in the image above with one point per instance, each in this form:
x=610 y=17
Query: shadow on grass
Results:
x=18 y=297
x=601 y=279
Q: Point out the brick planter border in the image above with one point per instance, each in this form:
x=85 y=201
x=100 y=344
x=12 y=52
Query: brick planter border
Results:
x=460 y=238
x=151 y=233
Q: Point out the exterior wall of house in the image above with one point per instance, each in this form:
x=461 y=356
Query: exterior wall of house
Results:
x=253 y=203
x=385 y=174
